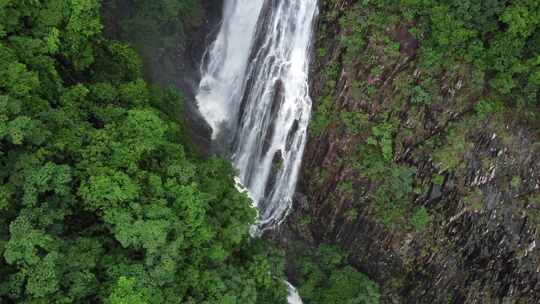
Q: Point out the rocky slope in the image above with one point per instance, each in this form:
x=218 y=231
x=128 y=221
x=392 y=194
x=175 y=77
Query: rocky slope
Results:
x=466 y=227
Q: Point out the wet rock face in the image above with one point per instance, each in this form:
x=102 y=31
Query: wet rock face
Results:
x=177 y=65
x=482 y=242
x=277 y=100
x=187 y=61
x=277 y=162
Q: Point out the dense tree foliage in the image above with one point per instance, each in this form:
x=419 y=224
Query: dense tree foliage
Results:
x=100 y=202
x=325 y=278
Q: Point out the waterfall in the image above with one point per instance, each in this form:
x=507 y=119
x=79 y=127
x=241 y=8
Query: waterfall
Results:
x=254 y=93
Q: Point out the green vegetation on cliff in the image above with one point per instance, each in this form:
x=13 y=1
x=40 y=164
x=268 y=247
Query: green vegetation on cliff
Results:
x=325 y=278
x=100 y=201
x=424 y=146
x=414 y=74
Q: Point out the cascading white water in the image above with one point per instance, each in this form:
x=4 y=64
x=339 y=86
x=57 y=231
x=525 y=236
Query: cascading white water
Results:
x=254 y=93
x=294 y=297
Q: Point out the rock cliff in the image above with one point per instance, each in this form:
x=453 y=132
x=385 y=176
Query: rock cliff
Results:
x=466 y=227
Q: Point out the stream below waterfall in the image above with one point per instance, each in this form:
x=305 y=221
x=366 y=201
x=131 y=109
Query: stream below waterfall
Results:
x=254 y=93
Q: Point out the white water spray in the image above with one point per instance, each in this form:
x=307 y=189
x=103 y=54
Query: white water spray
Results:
x=294 y=297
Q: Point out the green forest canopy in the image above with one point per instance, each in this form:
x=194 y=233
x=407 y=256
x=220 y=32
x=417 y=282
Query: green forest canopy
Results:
x=100 y=202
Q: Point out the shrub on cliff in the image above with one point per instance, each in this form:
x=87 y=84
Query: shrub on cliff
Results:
x=325 y=278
